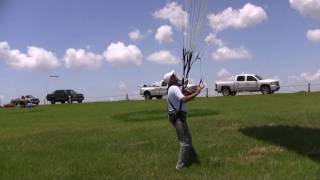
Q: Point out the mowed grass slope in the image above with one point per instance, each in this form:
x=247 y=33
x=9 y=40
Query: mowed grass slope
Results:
x=242 y=137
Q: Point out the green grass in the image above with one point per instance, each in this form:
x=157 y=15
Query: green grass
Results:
x=242 y=137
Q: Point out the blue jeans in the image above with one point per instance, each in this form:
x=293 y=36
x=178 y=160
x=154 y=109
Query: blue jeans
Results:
x=187 y=152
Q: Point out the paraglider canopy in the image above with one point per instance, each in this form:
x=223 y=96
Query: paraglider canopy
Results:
x=196 y=11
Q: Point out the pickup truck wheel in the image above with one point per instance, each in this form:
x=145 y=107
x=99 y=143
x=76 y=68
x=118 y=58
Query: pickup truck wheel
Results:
x=147 y=96
x=226 y=92
x=265 y=90
x=52 y=102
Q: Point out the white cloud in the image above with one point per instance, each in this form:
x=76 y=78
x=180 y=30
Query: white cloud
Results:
x=135 y=35
x=249 y=15
x=119 y=54
x=35 y=59
x=225 y=53
x=174 y=13
x=212 y=39
x=164 y=34
x=307 y=76
x=309 y=8
x=122 y=86
x=80 y=59
x=163 y=57
x=304 y=77
x=314 y=35
x=224 y=74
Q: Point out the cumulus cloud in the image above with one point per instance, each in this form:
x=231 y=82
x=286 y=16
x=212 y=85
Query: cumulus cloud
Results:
x=249 y=15
x=310 y=8
x=304 y=77
x=80 y=59
x=314 y=35
x=164 y=34
x=35 y=59
x=120 y=54
x=224 y=74
x=212 y=39
x=225 y=53
x=136 y=34
x=163 y=57
x=307 y=76
x=122 y=86
x=174 y=13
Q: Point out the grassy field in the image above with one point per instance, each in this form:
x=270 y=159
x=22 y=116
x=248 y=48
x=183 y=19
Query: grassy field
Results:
x=242 y=137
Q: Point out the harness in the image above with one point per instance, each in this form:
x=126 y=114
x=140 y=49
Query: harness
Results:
x=174 y=109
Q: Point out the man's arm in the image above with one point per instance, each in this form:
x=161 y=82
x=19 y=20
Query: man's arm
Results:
x=193 y=95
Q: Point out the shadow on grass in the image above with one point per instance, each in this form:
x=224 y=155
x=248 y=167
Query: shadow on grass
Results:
x=152 y=115
x=302 y=140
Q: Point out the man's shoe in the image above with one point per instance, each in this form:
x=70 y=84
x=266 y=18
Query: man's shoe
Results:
x=180 y=168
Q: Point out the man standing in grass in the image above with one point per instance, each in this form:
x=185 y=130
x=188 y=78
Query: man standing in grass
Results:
x=177 y=112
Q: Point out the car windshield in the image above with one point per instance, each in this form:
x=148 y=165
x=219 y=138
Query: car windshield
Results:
x=258 y=77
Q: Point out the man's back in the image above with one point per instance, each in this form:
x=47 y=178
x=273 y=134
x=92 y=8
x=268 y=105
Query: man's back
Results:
x=174 y=96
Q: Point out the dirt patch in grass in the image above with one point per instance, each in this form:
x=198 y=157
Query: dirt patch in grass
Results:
x=265 y=150
x=138 y=143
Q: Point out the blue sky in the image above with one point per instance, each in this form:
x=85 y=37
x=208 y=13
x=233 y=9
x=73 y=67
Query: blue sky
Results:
x=274 y=44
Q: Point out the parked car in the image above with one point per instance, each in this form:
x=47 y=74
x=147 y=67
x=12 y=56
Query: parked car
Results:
x=27 y=99
x=64 y=96
x=247 y=83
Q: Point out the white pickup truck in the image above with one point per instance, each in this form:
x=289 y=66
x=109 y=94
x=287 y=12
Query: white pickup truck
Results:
x=157 y=90
x=247 y=83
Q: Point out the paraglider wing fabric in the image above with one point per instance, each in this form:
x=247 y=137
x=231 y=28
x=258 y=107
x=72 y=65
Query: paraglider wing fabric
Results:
x=192 y=39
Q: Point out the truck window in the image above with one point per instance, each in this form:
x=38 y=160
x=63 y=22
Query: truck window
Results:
x=251 y=78
x=60 y=93
x=240 y=78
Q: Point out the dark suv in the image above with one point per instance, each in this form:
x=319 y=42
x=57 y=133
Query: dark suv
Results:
x=65 y=96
